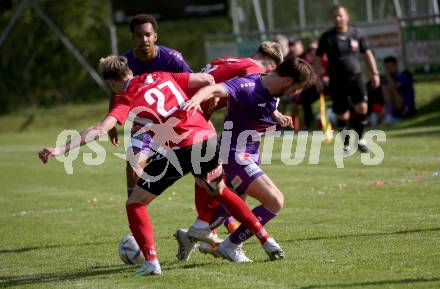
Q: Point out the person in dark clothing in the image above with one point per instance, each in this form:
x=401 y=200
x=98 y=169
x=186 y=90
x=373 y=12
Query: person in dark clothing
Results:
x=399 y=89
x=343 y=45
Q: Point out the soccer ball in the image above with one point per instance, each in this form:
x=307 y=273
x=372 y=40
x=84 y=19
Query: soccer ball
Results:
x=129 y=251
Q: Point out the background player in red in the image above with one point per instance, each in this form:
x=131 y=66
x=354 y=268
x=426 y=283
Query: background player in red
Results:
x=159 y=98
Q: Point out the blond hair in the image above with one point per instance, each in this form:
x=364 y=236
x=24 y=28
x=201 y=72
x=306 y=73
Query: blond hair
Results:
x=272 y=50
x=114 y=67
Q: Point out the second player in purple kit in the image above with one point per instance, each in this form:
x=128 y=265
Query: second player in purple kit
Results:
x=252 y=102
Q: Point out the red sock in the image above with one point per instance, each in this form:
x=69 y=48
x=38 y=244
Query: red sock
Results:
x=240 y=211
x=140 y=226
x=201 y=198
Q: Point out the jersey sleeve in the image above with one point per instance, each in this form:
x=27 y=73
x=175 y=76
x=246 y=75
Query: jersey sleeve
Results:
x=120 y=108
x=178 y=63
x=182 y=79
x=363 y=42
x=239 y=90
x=322 y=46
x=252 y=69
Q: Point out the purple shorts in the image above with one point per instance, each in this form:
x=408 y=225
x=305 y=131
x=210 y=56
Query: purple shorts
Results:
x=242 y=171
x=141 y=142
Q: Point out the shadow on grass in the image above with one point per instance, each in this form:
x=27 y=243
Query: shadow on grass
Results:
x=372 y=283
x=11 y=281
x=419 y=120
x=27 y=249
x=404 y=232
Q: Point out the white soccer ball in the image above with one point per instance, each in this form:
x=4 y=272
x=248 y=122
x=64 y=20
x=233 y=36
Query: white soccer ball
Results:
x=129 y=251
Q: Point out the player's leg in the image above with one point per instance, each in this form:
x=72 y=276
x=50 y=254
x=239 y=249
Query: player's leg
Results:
x=341 y=107
x=259 y=186
x=142 y=229
x=138 y=153
x=148 y=187
x=212 y=178
x=359 y=99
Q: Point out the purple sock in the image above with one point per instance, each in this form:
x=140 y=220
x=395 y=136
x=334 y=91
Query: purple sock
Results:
x=242 y=233
x=219 y=217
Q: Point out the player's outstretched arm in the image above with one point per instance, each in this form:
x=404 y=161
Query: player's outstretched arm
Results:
x=89 y=134
x=197 y=80
x=205 y=93
x=283 y=120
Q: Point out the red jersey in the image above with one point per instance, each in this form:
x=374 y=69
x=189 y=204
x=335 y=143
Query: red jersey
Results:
x=225 y=68
x=228 y=67
x=156 y=98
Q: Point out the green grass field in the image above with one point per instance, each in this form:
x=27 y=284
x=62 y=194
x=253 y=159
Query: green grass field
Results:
x=358 y=227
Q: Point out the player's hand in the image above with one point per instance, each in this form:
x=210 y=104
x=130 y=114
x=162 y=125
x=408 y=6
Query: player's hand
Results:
x=46 y=153
x=192 y=105
x=375 y=81
x=113 y=135
x=285 y=121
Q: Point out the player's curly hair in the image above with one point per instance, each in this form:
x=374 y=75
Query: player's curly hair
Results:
x=142 y=19
x=298 y=69
x=272 y=50
x=114 y=67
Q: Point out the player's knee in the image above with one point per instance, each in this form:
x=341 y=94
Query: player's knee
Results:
x=275 y=202
x=278 y=203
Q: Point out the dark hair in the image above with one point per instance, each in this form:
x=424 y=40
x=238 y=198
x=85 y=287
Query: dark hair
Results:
x=114 y=67
x=390 y=59
x=337 y=7
x=141 y=19
x=298 y=69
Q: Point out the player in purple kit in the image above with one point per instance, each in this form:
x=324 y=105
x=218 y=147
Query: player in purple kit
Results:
x=252 y=101
x=146 y=57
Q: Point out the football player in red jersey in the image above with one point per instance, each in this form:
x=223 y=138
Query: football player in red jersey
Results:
x=158 y=98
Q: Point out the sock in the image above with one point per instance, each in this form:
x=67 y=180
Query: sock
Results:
x=207 y=212
x=140 y=226
x=228 y=220
x=219 y=216
x=242 y=233
x=344 y=125
x=240 y=211
x=199 y=224
x=359 y=122
x=129 y=191
x=201 y=198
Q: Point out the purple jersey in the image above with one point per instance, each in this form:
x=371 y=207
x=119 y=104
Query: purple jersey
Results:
x=167 y=59
x=250 y=107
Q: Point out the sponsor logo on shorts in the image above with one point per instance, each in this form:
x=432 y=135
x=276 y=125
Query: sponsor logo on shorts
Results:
x=236 y=182
x=252 y=169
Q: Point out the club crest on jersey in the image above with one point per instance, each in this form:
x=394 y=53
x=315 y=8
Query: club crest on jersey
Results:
x=354 y=44
x=152 y=78
x=247 y=84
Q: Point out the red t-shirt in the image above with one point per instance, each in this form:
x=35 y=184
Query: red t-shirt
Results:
x=156 y=99
x=225 y=68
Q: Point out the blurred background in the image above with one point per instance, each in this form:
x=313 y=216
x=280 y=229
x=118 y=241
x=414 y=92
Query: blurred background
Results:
x=49 y=49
